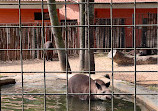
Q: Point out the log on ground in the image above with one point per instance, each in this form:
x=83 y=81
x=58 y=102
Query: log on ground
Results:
x=7 y=81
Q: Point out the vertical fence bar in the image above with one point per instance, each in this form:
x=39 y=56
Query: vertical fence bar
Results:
x=134 y=36
x=89 y=49
x=43 y=41
x=66 y=52
x=21 y=54
x=0 y=99
x=111 y=22
x=157 y=35
x=7 y=30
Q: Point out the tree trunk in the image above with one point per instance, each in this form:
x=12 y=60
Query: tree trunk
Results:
x=82 y=35
x=57 y=34
x=89 y=56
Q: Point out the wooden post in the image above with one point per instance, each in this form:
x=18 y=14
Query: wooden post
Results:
x=82 y=35
x=89 y=42
x=33 y=43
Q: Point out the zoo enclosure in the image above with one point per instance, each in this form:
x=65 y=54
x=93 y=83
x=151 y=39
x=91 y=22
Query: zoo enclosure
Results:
x=23 y=43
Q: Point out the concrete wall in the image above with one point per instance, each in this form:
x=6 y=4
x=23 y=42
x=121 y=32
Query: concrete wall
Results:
x=27 y=15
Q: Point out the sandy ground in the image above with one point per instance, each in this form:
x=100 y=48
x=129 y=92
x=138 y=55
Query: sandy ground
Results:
x=102 y=64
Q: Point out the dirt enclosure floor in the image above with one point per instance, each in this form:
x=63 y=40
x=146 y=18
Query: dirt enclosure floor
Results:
x=102 y=63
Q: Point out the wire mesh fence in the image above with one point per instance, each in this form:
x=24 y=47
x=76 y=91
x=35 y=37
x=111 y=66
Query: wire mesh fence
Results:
x=23 y=41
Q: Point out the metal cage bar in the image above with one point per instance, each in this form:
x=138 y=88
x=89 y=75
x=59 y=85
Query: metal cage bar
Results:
x=135 y=74
x=76 y=94
x=75 y=49
x=137 y=25
x=21 y=54
x=111 y=26
x=79 y=71
x=44 y=63
x=66 y=51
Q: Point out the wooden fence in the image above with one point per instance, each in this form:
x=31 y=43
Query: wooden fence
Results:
x=103 y=34
x=149 y=33
x=32 y=39
x=146 y=36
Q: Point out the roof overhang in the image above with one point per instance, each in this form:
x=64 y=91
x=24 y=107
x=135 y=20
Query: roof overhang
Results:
x=127 y=5
x=60 y=3
x=26 y=5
